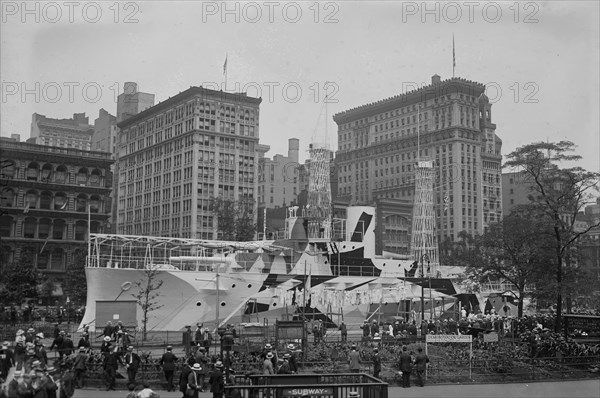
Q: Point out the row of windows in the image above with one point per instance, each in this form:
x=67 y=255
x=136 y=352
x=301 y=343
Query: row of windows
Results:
x=49 y=201
x=46 y=228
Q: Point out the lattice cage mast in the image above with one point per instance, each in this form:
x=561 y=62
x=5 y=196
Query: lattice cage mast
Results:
x=424 y=245
x=318 y=209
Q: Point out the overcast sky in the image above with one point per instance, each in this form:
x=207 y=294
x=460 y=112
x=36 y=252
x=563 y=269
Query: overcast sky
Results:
x=540 y=60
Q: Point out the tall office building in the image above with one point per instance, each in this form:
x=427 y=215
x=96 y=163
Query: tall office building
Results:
x=278 y=183
x=379 y=146
x=175 y=156
x=67 y=133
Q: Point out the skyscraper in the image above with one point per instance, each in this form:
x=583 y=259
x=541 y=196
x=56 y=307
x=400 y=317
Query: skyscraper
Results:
x=175 y=156
x=378 y=145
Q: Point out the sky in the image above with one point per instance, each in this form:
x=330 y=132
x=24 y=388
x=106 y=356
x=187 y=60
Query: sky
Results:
x=539 y=60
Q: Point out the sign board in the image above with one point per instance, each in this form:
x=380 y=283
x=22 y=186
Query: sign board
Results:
x=124 y=311
x=491 y=337
x=448 y=338
x=305 y=392
x=586 y=323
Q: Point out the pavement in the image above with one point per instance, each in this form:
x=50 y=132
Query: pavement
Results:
x=558 y=389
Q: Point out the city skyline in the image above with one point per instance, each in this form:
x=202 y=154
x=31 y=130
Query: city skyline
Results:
x=356 y=53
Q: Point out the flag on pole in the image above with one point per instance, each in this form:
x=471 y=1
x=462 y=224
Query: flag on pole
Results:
x=453 y=56
x=26 y=209
x=44 y=245
x=225 y=65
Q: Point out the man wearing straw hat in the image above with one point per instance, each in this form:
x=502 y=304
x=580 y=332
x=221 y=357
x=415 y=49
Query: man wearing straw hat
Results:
x=193 y=383
x=217 y=381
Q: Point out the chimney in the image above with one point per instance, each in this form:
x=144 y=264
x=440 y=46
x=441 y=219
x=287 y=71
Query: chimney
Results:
x=293 y=149
x=435 y=79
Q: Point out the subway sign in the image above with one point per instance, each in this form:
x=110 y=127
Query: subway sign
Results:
x=305 y=392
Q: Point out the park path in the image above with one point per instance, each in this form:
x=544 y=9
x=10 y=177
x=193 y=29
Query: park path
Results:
x=545 y=389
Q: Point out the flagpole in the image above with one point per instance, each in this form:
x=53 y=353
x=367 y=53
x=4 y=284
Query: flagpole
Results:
x=225 y=71
x=453 y=56
x=89 y=232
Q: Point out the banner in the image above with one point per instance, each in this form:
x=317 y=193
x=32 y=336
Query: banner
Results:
x=448 y=338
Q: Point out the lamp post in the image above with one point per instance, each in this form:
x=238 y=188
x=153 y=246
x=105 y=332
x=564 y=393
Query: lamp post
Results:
x=423 y=256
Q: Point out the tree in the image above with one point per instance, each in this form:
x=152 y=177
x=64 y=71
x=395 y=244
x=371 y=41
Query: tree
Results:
x=147 y=296
x=235 y=219
x=559 y=194
x=513 y=250
x=20 y=279
x=75 y=286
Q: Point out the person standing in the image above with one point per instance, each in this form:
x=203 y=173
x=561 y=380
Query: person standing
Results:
x=167 y=361
x=292 y=358
x=6 y=361
x=405 y=367
x=84 y=341
x=366 y=329
x=268 y=368
x=344 y=332
x=354 y=360
x=132 y=364
x=376 y=363
x=206 y=340
x=80 y=366
x=216 y=381
x=421 y=362
x=111 y=364
x=183 y=378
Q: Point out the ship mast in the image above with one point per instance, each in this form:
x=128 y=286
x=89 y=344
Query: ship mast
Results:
x=318 y=210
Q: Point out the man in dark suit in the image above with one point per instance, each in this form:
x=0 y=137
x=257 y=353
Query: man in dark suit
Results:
x=216 y=381
x=131 y=361
x=376 y=363
x=405 y=367
x=168 y=364
x=111 y=364
x=420 y=365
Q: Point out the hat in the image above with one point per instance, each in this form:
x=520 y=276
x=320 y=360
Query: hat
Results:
x=130 y=348
x=286 y=356
x=62 y=332
x=268 y=346
x=197 y=367
x=353 y=394
x=291 y=347
x=375 y=349
x=120 y=332
x=30 y=330
x=20 y=332
x=36 y=364
x=202 y=349
x=354 y=346
x=18 y=373
x=365 y=321
x=51 y=369
x=81 y=349
x=219 y=364
x=374 y=321
x=40 y=335
x=107 y=338
x=169 y=347
x=269 y=355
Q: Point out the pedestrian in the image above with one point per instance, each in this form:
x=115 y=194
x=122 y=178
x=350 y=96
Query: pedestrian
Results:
x=376 y=363
x=132 y=362
x=84 y=341
x=183 y=378
x=167 y=361
x=80 y=366
x=268 y=368
x=106 y=348
x=206 y=340
x=146 y=392
x=284 y=367
x=421 y=362
x=216 y=381
x=354 y=360
x=292 y=358
x=405 y=367
x=344 y=332
x=6 y=361
x=366 y=329
x=110 y=365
